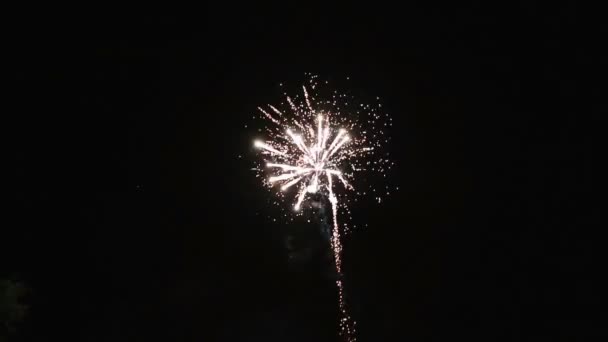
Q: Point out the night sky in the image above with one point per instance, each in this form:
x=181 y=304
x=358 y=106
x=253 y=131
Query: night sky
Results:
x=133 y=218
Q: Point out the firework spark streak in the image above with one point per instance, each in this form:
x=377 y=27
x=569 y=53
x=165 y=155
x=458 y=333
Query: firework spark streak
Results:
x=313 y=141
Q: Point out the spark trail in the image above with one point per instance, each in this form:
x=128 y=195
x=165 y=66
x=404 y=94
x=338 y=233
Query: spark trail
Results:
x=315 y=142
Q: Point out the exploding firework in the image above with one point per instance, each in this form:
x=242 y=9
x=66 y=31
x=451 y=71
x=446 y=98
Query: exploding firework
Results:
x=321 y=144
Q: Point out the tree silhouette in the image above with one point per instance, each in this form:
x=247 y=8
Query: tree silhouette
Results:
x=12 y=311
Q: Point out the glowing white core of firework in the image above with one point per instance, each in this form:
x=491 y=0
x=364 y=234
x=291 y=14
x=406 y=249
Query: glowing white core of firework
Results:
x=313 y=161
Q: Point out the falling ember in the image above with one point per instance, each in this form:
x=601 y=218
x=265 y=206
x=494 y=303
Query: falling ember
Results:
x=314 y=140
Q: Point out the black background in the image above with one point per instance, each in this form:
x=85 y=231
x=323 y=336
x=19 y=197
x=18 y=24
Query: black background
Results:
x=134 y=215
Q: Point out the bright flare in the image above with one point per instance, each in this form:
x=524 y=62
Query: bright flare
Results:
x=313 y=161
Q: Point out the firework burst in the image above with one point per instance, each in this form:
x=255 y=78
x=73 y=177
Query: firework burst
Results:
x=323 y=143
